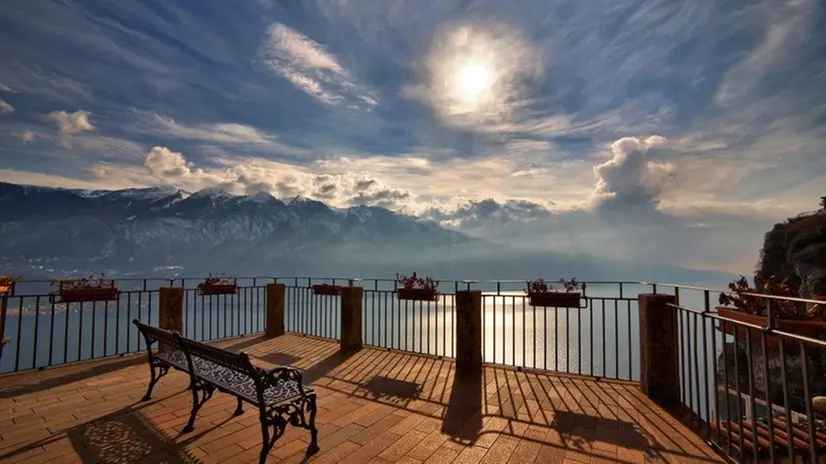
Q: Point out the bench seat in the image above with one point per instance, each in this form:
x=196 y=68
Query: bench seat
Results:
x=279 y=394
x=241 y=384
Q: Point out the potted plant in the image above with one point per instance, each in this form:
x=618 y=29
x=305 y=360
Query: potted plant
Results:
x=6 y=283
x=92 y=288
x=541 y=293
x=790 y=316
x=219 y=284
x=326 y=289
x=416 y=288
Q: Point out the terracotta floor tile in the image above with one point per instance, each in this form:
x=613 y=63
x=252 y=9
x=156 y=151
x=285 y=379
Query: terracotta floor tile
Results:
x=375 y=406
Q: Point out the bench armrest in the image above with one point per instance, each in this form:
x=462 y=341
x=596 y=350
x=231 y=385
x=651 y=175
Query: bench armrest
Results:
x=287 y=374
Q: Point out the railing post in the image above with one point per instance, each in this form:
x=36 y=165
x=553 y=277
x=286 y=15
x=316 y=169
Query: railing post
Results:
x=351 y=308
x=275 y=310
x=469 y=333
x=3 y=307
x=659 y=349
x=171 y=310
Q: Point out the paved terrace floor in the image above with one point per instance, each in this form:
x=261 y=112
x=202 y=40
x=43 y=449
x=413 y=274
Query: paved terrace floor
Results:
x=375 y=406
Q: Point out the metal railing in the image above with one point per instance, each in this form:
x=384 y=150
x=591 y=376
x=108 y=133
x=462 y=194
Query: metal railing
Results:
x=42 y=331
x=749 y=387
x=599 y=338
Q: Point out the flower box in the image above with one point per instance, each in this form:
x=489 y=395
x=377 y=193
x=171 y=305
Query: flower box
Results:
x=75 y=295
x=417 y=294
x=804 y=327
x=223 y=288
x=327 y=289
x=555 y=299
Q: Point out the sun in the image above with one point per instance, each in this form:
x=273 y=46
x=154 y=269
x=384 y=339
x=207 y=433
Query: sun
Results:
x=471 y=82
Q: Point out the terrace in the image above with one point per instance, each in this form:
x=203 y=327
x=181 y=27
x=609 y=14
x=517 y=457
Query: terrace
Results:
x=476 y=375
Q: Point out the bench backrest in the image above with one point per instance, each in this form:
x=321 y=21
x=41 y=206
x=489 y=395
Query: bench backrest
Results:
x=238 y=362
x=154 y=334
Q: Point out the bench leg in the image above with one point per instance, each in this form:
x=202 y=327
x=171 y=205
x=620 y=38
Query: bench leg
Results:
x=240 y=409
x=311 y=409
x=156 y=371
x=300 y=413
x=206 y=390
x=279 y=424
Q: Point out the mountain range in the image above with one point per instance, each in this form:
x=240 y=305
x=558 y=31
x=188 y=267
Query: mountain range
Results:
x=49 y=232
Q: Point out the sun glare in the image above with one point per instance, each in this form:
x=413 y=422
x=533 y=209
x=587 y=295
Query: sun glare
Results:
x=471 y=83
x=475 y=73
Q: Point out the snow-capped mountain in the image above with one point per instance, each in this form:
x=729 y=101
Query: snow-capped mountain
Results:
x=146 y=228
x=47 y=232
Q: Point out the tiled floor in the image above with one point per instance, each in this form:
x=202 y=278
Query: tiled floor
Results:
x=375 y=406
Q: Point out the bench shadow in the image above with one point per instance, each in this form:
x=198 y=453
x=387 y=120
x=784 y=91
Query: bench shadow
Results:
x=123 y=436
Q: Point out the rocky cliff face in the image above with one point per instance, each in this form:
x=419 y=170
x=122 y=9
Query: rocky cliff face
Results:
x=797 y=246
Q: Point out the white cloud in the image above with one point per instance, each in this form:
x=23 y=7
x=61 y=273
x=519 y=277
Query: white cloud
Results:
x=28 y=136
x=308 y=66
x=47 y=180
x=4 y=88
x=5 y=107
x=228 y=133
x=629 y=177
x=72 y=123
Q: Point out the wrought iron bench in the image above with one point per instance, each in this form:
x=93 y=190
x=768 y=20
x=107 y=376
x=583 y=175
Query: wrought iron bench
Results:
x=279 y=394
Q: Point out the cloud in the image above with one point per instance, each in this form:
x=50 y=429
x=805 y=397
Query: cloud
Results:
x=5 y=107
x=308 y=66
x=171 y=168
x=227 y=133
x=72 y=123
x=28 y=136
x=629 y=177
x=249 y=176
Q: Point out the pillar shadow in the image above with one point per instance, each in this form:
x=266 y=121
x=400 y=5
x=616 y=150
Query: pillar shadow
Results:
x=393 y=391
x=463 y=416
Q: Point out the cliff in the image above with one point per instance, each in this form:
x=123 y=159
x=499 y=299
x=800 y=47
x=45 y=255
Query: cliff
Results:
x=797 y=247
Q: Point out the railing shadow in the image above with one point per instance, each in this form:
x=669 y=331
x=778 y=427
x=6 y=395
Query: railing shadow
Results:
x=33 y=382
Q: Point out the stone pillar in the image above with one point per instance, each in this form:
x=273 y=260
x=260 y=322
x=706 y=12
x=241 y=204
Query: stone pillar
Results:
x=469 y=333
x=275 y=310
x=351 y=308
x=659 y=349
x=170 y=310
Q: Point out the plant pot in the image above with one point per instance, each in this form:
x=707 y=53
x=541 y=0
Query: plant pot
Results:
x=417 y=294
x=75 y=295
x=327 y=289
x=555 y=299
x=807 y=328
x=217 y=289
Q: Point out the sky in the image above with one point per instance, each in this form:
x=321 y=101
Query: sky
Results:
x=651 y=130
